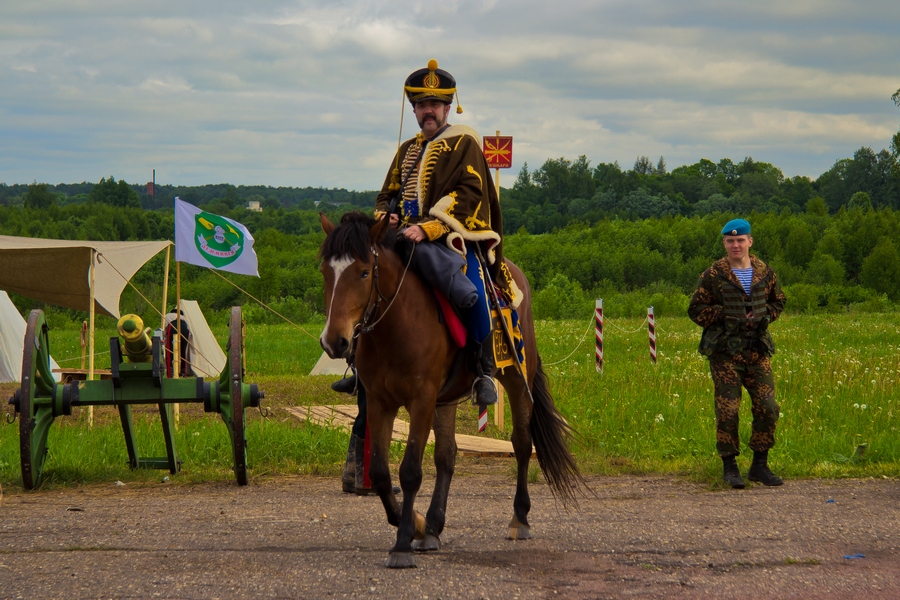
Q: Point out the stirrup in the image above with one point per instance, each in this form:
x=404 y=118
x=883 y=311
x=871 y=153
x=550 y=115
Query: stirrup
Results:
x=495 y=391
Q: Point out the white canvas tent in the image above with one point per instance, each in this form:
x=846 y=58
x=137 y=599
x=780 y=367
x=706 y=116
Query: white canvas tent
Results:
x=59 y=271
x=12 y=341
x=83 y=275
x=330 y=366
x=206 y=356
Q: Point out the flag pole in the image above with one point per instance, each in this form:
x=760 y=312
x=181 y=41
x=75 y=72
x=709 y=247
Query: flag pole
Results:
x=176 y=346
x=498 y=408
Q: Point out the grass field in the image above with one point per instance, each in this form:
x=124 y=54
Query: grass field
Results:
x=835 y=381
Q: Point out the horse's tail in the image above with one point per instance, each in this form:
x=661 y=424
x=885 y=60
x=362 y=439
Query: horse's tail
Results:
x=551 y=435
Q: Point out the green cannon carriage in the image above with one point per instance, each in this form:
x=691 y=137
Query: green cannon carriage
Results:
x=140 y=380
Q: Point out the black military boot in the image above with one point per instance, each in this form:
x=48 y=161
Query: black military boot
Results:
x=359 y=486
x=759 y=470
x=485 y=390
x=348 y=477
x=347 y=385
x=731 y=474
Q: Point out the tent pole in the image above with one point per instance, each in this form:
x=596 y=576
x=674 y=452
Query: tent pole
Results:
x=165 y=290
x=91 y=332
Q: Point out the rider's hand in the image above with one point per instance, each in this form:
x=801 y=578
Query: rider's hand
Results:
x=395 y=220
x=414 y=233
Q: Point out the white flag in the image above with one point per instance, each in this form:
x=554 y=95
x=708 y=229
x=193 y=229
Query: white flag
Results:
x=212 y=241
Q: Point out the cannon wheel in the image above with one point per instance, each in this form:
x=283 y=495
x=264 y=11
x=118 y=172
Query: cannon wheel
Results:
x=34 y=421
x=236 y=362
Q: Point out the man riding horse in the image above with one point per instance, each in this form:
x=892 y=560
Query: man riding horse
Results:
x=439 y=191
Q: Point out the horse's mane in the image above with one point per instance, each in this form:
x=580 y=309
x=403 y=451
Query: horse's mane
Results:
x=351 y=238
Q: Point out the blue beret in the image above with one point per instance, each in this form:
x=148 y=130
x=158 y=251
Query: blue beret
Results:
x=736 y=227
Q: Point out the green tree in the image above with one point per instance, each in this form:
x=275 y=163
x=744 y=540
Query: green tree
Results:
x=643 y=166
x=816 y=206
x=824 y=269
x=39 y=196
x=113 y=193
x=881 y=270
x=661 y=166
x=860 y=200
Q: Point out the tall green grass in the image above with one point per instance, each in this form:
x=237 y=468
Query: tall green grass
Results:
x=835 y=381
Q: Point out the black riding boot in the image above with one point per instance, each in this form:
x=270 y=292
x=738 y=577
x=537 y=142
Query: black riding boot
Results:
x=347 y=385
x=485 y=390
x=359 y=486
x=348 y=477
x=731 y=474
x=759 y=470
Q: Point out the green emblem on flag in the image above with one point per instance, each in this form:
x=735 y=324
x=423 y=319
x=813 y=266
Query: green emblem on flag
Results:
x=220 y=242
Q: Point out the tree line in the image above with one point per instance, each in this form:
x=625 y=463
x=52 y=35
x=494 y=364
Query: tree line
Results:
x=638 y=237
x=562 y=191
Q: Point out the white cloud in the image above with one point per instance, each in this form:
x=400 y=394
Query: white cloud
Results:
x=308 y=93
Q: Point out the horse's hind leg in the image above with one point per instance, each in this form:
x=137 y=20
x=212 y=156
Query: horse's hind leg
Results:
x=519 y=529
x=445 y=463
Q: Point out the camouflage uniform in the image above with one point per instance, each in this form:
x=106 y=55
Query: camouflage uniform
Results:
x=739 y=349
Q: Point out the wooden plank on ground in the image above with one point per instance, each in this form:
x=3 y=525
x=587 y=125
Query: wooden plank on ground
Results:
x=343 y=415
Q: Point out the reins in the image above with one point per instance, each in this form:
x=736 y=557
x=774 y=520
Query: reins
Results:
x=371 y=309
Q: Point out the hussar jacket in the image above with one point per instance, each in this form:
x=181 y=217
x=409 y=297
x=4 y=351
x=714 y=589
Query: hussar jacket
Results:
x=449 y=192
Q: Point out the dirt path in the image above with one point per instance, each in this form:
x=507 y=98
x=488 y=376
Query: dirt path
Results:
x=300 y=538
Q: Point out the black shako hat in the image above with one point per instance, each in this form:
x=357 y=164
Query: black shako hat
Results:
x=431 y=83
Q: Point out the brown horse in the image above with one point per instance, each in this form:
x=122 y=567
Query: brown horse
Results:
x=386 y=318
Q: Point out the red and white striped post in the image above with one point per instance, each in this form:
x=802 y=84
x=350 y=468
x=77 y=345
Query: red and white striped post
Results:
x=598 y=321
x=651 y=326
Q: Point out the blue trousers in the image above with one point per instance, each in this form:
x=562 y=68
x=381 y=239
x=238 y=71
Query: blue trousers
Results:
x=478 y=317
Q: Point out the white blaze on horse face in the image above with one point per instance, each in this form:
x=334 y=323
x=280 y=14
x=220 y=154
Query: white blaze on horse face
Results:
x=338 y=266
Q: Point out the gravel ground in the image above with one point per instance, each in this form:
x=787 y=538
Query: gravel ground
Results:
x=299 y=537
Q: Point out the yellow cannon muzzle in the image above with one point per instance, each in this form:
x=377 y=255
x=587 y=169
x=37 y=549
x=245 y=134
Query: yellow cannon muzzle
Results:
x=136 y=339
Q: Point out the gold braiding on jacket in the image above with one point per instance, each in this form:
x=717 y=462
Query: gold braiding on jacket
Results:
x=472 y=170
x=432 y=153
x=473 y=221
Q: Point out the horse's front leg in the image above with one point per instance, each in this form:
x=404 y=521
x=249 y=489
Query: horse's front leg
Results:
x=445 y=463
x=412 y=524
x=380 y=427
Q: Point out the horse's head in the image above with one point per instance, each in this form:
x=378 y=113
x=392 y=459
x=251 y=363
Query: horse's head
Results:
x=348 y=267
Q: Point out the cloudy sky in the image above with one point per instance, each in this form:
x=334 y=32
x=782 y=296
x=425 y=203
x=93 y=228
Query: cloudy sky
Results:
x=308 y=93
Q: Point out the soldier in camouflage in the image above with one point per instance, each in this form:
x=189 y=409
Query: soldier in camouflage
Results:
x=736 y=299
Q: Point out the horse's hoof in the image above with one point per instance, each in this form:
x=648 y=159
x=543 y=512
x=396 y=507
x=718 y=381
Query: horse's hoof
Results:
x=427 y=544
x=522 y=532
x=401 y=560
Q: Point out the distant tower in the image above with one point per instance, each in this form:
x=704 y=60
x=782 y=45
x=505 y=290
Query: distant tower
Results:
x=151 y=187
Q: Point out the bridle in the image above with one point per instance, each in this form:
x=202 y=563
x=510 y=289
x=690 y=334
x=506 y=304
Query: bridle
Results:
x=366 y=324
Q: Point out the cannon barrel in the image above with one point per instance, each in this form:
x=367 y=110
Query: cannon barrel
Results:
x=138 y=347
